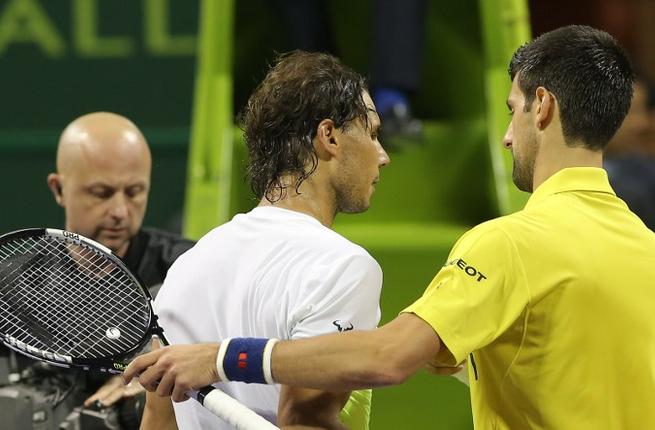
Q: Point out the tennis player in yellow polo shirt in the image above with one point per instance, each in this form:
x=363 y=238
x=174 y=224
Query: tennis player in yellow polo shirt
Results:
x=553 y=306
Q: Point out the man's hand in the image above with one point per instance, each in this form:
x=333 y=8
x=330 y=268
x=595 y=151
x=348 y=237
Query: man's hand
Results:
x=438 y=368
x=174 y=370
x=112 y=391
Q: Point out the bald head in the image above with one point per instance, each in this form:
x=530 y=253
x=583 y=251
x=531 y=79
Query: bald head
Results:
x=100 y=135
x=103 y=178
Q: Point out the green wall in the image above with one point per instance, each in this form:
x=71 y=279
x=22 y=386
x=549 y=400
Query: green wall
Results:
x=63 y=58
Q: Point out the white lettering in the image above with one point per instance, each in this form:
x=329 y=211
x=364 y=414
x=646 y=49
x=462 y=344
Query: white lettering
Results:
x=36 y=352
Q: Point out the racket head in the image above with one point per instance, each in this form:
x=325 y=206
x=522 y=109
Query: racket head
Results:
x=69 y=301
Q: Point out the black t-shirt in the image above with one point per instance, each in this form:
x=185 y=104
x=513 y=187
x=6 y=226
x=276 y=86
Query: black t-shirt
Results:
x=151 y=253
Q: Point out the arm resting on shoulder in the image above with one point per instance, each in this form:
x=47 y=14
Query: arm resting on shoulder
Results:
x=336 y=362
x=357 y=359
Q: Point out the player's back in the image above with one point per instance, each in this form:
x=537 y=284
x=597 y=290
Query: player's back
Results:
x=269 y=273
x=583 y=351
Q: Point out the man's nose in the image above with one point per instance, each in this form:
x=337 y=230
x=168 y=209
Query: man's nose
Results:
x=119 y=208
x=507 y=139
x=383 y=158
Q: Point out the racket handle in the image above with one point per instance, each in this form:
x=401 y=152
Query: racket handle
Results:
x=230 y=409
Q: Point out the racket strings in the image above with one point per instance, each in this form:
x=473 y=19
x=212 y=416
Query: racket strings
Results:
x=9 y=296
x=68 y=298
x=59 y=300
x=84 y=299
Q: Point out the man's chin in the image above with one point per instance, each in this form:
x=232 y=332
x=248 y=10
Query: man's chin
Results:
x=522 y=186
x=521 y=181
x=116 y=244
x=355 y=208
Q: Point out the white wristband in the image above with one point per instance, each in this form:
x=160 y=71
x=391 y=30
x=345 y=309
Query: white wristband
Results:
x=220 y=357
x=266 y=358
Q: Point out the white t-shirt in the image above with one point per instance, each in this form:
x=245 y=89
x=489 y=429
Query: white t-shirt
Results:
x=269 y=273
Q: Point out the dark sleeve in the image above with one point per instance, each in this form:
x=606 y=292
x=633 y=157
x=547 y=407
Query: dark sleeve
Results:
x=152 y=252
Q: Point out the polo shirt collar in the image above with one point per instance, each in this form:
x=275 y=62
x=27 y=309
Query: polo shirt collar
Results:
x=572 y=179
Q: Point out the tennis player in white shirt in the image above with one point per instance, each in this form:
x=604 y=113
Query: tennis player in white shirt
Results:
x=280 y=271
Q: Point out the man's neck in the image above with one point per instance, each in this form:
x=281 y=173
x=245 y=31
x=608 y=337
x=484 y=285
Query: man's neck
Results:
x=552 y=161
x=309 y=202
x=122 y=251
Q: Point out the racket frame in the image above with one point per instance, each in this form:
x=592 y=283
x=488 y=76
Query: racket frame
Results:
x=111 y=364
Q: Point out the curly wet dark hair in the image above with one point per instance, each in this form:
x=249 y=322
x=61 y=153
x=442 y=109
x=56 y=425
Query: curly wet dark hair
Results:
x=282 y=115
x=588 y=72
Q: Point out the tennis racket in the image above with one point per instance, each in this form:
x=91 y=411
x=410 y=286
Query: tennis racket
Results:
x=68 y=301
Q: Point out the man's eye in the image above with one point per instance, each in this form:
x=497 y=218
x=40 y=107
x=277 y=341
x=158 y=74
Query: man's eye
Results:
x=101 y=193
x=134 y=191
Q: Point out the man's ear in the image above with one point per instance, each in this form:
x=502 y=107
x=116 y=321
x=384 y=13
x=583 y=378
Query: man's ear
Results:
x=327 y=139
x=54 y=183
x=545 y=109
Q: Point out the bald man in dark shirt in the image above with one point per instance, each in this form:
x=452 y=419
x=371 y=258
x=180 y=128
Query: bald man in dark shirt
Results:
x=102 y=182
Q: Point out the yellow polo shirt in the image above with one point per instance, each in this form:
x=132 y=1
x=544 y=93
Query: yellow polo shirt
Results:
x=554 y=307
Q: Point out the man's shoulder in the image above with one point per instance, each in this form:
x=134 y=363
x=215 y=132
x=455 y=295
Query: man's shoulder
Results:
x=299 y=238
x=496 y=234
x=154 y=237
x=152 y=252
x=508 y=225
x=158 y=247
x=496 y=226
x=300 y=232
x=332 y=244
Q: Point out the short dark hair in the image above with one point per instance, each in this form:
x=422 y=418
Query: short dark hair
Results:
x=588 y=72
x=282 y=115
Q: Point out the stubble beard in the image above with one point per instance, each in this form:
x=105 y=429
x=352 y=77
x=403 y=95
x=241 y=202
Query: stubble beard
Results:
x=522 y=175
x=349 y=197
x=523 y=170
x=347 y=202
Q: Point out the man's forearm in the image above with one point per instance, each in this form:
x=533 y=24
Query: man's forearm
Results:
x=304 y=406
x=158 y=414
x=342 y=361
x=356 y=359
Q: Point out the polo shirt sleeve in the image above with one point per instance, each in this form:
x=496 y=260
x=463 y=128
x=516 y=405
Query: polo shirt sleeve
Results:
x=339 y=294
x=477 y=294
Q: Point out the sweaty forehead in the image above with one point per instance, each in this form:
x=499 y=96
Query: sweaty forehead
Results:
x=371 y=112
x=373 y=118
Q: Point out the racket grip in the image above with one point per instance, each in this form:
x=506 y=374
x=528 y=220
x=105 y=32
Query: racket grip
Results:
x=230 y=409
